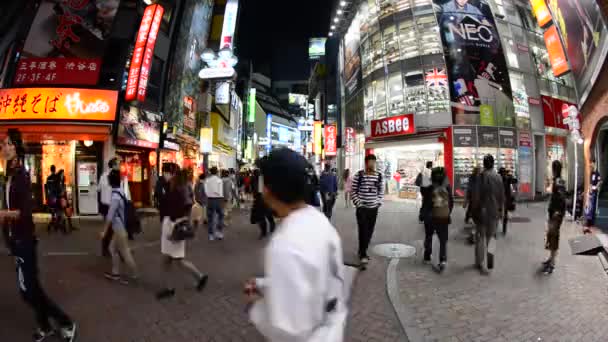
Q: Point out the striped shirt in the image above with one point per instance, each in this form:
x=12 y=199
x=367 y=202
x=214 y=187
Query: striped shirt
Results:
x=367 y=189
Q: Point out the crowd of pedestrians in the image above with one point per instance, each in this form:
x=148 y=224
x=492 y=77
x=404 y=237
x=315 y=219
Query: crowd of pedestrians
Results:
x=303 y=259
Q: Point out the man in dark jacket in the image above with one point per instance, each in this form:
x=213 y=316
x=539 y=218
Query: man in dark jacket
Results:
x=329 y=190
x=17 y=215
x=436 y=215
x=488 y=204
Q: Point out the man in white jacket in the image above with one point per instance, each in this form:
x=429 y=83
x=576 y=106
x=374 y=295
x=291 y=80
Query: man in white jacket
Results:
x=301 y=298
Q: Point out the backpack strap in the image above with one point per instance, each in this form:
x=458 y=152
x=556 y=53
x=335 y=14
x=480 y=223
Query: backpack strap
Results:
x=124 y=199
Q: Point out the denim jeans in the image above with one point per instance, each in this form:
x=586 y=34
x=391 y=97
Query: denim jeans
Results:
x=215 y=207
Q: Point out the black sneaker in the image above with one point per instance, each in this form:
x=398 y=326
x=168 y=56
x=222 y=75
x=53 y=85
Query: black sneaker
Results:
x=41 y=335
x=68 y=333
x=165 y=293
x=202 y=283
x=549 y=268
x=442 y=266
x=490 y=261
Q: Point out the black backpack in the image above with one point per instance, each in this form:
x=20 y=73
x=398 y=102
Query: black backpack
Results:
x=130 y=218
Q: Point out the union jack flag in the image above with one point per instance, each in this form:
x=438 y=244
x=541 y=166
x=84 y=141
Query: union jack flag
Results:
x=436 y=78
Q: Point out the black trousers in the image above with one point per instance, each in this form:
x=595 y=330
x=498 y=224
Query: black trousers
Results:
x=31 y=290
x=329 y=200
x=366 y=222
x=442 y=234
x=266 y=222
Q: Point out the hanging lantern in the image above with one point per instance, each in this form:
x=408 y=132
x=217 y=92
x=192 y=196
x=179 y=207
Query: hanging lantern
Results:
x=152 y=158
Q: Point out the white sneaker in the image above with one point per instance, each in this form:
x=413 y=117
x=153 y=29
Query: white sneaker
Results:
x=219 y=235
x=211 y=237
x=69 y=333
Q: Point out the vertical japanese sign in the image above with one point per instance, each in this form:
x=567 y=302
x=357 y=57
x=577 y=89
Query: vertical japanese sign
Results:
x=525 y=162
x=557 y=57
x=189 y=114
x=230 y=16
x=350 y=140
x=141 y=62
x=318 y=138
x=331 y=147
x=251 y=105
x=269 y=132
x=477 y=68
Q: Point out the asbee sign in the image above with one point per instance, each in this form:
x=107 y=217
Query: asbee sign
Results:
x=393 y=126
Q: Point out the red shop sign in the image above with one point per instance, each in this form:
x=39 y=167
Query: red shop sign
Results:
x=393 y=126
x=65 y=71
x=525 y=139
x=331 y=147
x=141 y=62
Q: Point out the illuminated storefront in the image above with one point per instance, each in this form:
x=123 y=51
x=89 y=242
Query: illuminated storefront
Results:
x=64 y=127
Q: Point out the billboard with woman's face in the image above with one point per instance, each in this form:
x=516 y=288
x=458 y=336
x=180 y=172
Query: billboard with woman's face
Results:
x=477 y=69
x=585 y=38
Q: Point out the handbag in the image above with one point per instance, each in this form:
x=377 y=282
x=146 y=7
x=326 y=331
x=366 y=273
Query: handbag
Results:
x=182 y=230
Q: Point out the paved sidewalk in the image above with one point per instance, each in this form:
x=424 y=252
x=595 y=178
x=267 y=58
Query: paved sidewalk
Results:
x=515 y=303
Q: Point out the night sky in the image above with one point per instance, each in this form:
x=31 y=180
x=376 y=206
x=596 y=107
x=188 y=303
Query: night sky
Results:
x=275 y=33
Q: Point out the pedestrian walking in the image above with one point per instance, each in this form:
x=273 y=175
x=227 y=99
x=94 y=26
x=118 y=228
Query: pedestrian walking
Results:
x=228 y=192
x=557 y=211
x=105 y=199
x=235 y=188
x=214 y=188
x=53 y=192
x=116 y=220
x=508 y=182
x=468 y=199
x=328 y=184
x=162 y=187
x=16 y=215
x=595 y=185
x=423 y=181
x=368 y=191
x=437 y=216
x=180 y=200
x=261 y=214
x=302 y=296
x=348 y=187
x=488 y=205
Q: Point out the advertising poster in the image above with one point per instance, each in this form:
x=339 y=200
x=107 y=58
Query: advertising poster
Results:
x=316 y=48
x=487 y=136
x=525 y=162
x=352 y=58
x=583 y=31
x=139 y=128
x=75 y=28
x=192 y=40
x=465 y=136
x=477 y=69
x=557 y=57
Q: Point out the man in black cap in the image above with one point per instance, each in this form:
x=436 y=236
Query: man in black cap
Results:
x=303 y=257
x=488 y=203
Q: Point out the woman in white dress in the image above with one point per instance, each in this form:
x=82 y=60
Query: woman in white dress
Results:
x=178 y=205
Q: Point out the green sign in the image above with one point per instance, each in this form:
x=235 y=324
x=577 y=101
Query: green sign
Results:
x=252 y=102
x=486 y=115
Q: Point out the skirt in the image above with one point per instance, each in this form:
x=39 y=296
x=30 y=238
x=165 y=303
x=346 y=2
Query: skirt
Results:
x=173 y=249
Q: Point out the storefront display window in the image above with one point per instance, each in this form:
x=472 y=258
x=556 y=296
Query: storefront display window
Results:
x=380 y=98
x=402 y=5
x=408 y=39
x=377 y=51
x=421 y=4
x=520 y=100
x=395 y=86
x=415 y=92
x=391 y=44
x=366 y=58
x=386 y=8
x=400 y=166
x=368 y=98
x=61 y=155
x=428 y=31
x=510 y=51
x=556 y=150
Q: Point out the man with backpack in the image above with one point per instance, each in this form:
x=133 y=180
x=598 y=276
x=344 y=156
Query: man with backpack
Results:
x=105 y=199
x=117 y=220
x=423 y=181
x=436 y=216
x=488 y=203
x=367 y=193
x=557 y=211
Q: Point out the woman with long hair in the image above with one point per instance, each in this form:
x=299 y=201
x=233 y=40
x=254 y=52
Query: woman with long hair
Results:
x=348 y=187
x=178 y=204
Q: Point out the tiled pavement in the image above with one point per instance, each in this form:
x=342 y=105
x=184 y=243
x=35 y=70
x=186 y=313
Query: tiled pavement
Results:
x=513 y=304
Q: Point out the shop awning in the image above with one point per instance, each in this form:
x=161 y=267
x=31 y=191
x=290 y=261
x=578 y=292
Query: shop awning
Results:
x=418 y=139
x=58 y=132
